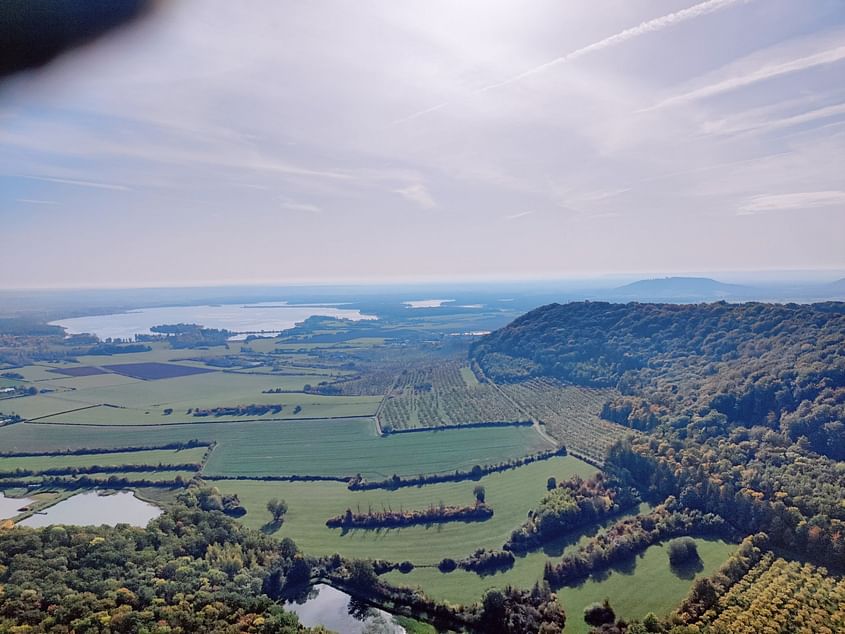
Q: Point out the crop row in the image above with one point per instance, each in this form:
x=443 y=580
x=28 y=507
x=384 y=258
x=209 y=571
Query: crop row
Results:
x=781 y=596
x=570 y=414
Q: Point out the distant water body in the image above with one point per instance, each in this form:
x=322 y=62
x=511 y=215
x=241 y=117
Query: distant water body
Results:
x=270 y=317
x=9 y=506
x=93 y=509
x=427 y=303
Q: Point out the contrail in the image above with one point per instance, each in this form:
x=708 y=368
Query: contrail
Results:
x=649 y=26
x=774 y=70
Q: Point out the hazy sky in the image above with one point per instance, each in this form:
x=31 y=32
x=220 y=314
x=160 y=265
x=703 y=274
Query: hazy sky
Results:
x=223 y=142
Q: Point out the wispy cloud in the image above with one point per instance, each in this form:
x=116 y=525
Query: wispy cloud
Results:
x=78 y=183
x=769 y=71
x=649 y=26
x=793 y=201
x=36 y=201
x=417 y=194
x=521 y=214
x=307 y=207
x=758 y=124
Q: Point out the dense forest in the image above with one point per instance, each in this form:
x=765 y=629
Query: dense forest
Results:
x=743 y=412
x=190 y=570
x=711 y=367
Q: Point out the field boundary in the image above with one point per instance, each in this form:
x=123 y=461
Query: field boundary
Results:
x=176 y=446
x=202 y=421
x=451 y=426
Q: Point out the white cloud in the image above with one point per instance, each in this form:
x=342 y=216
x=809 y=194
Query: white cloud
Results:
x=295 y=206
x=36 y=201
x=78 y=183
x=417 y=194
x=753 y=123
x=648 y=26
x=201 y=127
x=793 y=201
x=521 y=214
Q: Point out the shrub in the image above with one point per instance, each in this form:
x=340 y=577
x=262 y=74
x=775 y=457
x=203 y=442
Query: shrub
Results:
x=682 y=550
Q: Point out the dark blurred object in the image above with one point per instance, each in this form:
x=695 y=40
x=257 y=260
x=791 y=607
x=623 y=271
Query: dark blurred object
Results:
x=33 y=32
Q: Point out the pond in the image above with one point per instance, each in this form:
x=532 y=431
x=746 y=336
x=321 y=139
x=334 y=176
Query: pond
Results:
x=93 y=509
x=9 y=506
x=337 y=611
x=270 y=317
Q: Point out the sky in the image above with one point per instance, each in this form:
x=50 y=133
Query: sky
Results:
x=273 y=141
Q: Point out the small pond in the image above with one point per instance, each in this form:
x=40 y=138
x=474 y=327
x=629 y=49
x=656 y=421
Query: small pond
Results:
x=337 y=611
x=9 y=506
x=93 y=509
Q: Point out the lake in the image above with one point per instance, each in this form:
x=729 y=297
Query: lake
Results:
x=272 y=317
x=93 y=509
x=427 y=303
x=330 y=608
x=9 y=506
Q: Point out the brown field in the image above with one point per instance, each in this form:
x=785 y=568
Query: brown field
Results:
x=154 y=371
x=84 y=370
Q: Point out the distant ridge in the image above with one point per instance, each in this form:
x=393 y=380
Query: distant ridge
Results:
x=837 y=287
x=680 y=288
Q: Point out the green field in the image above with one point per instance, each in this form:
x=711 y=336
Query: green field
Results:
x=647 y=584
x=510 y=493
x=144 y=402
x=155 y=457
x=319 y=447
x=467 y=587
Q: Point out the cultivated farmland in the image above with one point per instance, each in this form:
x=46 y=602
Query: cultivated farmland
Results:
x=154 y=371
x=151 y=458
x=339 y=448
x=445 y=394
x=569 y=413
x=798 y=597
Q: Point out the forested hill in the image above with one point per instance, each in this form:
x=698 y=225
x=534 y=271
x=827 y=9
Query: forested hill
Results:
x=712 y=365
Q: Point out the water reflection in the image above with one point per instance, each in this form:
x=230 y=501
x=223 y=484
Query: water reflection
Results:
x=336 y=610
x=93 y=509
x=9 y=507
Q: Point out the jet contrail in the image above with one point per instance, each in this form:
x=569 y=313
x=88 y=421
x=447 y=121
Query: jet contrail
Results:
x=767 y=72
x=649 y=26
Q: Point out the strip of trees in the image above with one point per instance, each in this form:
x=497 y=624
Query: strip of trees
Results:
x=435 y=514
x=630 y=536
x=569 y=505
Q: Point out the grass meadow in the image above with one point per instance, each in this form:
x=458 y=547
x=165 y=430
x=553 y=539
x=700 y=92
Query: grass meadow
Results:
x=510 y=493
x=156 y=457
x=314 y=447
x=647 y=584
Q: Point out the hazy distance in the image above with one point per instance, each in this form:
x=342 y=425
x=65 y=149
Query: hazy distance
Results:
x=328 y=142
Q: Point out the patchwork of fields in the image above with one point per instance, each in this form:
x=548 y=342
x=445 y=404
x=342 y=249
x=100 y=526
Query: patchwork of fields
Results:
x=510 y=493
x=323 y=404
x=339 y=448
